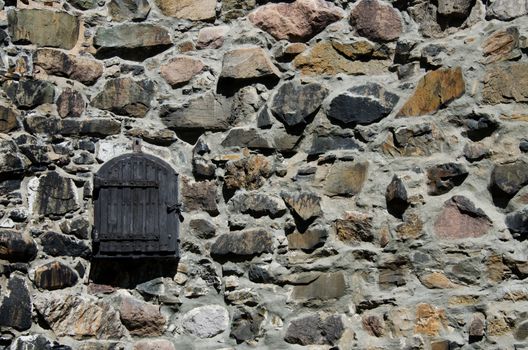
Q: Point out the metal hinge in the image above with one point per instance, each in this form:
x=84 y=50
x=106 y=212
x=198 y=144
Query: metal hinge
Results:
x=177 y=207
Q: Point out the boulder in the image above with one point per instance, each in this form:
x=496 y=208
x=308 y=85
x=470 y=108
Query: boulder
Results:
x=376 y=20
x=249 y=63
x=61 y=312
x=75 y=67
x=131 y=41
x=517 y=223
x=16 y=246
x=310 y=239
x=249 y=173
x=257 y=204
x=506 y=83
x=396 y=197
x=56 y=244
x=125 y=96
x=324 y=142
x=295 y=103
x=345 y=178
x=125 y=10
x=141 y=318
x=461 y=219
x=206 y=321
x=355 y=228
x=243 y=243
x=315 y=329
x=247 y=137
x=502 y=45
x=303 y=205
x=55 y=195
x=195 y=10
x=434 y=90
x=325 y=286
x=442 y=178
x=211 y=37
x=70 y=104
x=180 y=70
x=363 y=104
x=507 y=179
x=27 y=94
x=8 y=119
x=199 y=196
x=54 y=275
x=300 y=20
x=154 y=344
x=16 y=307
x=506 y=10
x=246 y=325
x=43 y=28
x=455 y=8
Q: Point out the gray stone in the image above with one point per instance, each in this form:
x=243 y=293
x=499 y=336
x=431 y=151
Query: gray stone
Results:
x=315 y=329
x=202 y=228
x=61 y=312
x=310 y=239
x=376 y=20
x=257 y=204
x=244 y=243
x=442 y=178
x=325 y=286
x=54 y=275
x=506 y=10
x=517 y=223
x=154 y=344
x=325 y=142
x=164 y=289
x=141 y=318
x=56 y=244
x=16 y=307
x=364 y=104
x=79 y=227
x=246 y=325
x=130 y=41
x=43 y=28
x=55 y=195
x=123 y=10
x=200 y=196
x=16 y=246
x=84 y=4
x=345 y=178
x=455 y=8
x=29 y=93
x=70 y=104
x=295 y=103
x=125 y=96
x=305 y=205
x=248 y=63
x=507 y=179
x=206 y=321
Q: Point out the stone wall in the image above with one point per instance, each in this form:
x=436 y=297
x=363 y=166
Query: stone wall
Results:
x=353 y=174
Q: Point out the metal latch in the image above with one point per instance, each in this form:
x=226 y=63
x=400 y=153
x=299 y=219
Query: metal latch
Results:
x=177 y=207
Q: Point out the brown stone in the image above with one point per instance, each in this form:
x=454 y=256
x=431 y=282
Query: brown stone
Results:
x=305 y=205
x=199 y=196
x=141 y=318
x=154 y=344
x=374 y=325
x=325 y=286
x=297 y=21
x=243 y=243
x=195 y=10
x=502 y=45
x=295 y=48
x=495 y=268
x=249 y=172
x=355 y=228
x=55 y=275
x=248 y=63
x=8 y=119
x=506 y=83
x=442 y=178
x=461 y=219
x=476 y=328
x=430 y=320
x=70 y=104
x=376 y=20
x=324 y=59
x=434 y=91
x=125 y=96
x=180 y=70
x=43 y=27
x=497 y=326
x=362 y=50
x=436 y=280
x=163 y=137
x=312 y=238
x=211 y=37
x=345 y=178
x=412 y=227
x=79 y=68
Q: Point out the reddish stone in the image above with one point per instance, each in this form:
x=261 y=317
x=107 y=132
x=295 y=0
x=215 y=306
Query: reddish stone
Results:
x=180 y=70
x=376 y=21
x=461 y=219
x=297 y=21
x=211 y=37
x=141 y=318
x=70 y=104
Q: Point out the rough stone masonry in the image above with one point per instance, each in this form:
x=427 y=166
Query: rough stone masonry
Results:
x=354 y=174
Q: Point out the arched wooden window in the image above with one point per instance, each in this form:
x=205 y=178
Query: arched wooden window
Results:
x=136 y=208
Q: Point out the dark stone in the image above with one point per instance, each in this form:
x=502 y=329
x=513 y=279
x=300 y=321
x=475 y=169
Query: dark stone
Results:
x=124 y=10
x=251 y=138
x=479 y=126
x=79 y=227
x=199 y=196
x=363 y=105
x=243 y=243
x=55 y=195
x=16 y=307
x=56 y=244
x=294 y=103
x=443 y=177
x=507 y=179
x=517 y=223
x=313 y=329
x=70 y=104
x=303 y=205
x=84 y=158
x=126 y=96
x=325 y=286
x=83 y=4
x=322 y=143
x=523 y=145
x=264 y=120
x=55 y=275
x=8 y=119
x=16 y=246
x=202 y=228
x=9 y=186
x=396 y=197
x=257 y=204
x=91 y=127
x=28 y=94
x=141 y=318
x=245 y=325
x=261 y=274
x=131 y=41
